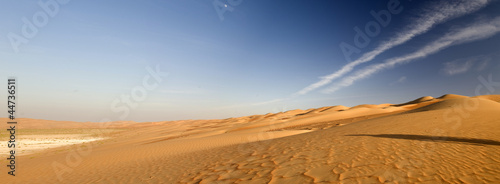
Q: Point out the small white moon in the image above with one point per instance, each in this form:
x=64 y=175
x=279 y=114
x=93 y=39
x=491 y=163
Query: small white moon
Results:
x=225 y=5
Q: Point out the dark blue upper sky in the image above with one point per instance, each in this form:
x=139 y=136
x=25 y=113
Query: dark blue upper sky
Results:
x=241 y=57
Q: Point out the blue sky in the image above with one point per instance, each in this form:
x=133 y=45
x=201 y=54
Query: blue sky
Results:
x=263 y=56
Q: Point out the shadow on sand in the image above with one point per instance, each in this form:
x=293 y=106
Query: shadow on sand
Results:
x=461 y=140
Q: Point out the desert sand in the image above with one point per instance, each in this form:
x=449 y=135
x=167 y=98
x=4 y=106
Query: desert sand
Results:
x=449 y=139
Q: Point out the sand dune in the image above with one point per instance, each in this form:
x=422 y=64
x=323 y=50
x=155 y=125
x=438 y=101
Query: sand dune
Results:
x=464 y=104
x=495 y=98
x=451 y=96
x=417 y=101
x=334 y=109
x=451 y=139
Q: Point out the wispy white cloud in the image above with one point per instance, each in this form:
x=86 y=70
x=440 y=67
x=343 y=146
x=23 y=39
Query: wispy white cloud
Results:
x=454 y=68
x=433 y=15
x=399 y=81
x=464 y=65
x=483 y=64
x=470 y=33
x=402 y=79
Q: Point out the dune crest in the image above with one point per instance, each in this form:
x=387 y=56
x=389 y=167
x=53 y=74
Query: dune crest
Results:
x=495 y=98
x=417 y=101
x=451 y=139
x=451 y=96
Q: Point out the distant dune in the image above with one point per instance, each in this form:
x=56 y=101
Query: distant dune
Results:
x=451 y=96
x=418 y=101
x=450 y=139
x=495 y=98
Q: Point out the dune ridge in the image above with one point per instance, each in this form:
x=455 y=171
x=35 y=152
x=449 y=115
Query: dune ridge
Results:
x=450 y=139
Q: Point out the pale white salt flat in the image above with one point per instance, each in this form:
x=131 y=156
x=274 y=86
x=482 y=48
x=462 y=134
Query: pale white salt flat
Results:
x=33 y=143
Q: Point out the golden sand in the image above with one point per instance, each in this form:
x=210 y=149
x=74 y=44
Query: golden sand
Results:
x=451 y=139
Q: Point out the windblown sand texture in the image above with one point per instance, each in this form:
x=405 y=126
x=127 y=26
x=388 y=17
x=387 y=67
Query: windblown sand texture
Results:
x=450 y=139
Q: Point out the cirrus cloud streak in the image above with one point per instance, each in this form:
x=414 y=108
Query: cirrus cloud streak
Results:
x=431 y=16
x=470 y=33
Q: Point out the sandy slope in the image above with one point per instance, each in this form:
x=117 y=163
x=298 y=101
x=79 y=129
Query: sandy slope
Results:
x=451 y=139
